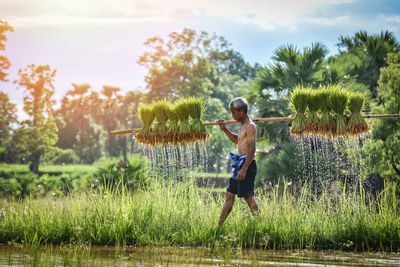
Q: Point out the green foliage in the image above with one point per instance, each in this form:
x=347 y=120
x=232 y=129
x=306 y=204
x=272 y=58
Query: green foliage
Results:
x=114 y=173
x=16 y=181
x=370 y=53
x=291 y=67
x=383 y=148
x=337 y=69
x=65 y=156
x=278 y=166
x=17 y=185
x=190 y=63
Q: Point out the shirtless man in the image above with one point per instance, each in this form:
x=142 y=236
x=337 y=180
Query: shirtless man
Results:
x=243 y=185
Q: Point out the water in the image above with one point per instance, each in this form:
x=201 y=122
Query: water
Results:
x=322 y=162
x=176 y=161
x=129 y=256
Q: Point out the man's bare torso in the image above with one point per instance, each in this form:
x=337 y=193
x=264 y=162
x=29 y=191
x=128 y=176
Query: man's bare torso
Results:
x=243 y=144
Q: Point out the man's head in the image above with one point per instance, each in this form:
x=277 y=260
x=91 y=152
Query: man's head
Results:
x=238 y=107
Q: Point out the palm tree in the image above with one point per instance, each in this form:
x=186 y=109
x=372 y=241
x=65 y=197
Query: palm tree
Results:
x=107 y=115
x=292 y=67
x=373 y=51
x=78 y=108
x=274 y=82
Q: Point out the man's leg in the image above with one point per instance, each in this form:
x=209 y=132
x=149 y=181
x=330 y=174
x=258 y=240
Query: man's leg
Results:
x=230 y=199
x=252 y=205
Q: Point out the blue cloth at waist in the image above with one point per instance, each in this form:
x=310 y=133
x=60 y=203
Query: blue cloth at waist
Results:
x=237 y=162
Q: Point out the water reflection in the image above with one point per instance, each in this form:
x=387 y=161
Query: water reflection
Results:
x=128 y=256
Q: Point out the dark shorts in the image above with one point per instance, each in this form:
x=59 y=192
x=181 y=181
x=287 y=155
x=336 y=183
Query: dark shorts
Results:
x=244 y=188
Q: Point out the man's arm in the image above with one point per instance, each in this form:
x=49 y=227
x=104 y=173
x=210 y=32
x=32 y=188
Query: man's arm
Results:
x=251 y=139
x=232 y=136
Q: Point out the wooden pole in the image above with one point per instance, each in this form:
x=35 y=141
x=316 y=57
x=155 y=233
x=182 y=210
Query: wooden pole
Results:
x=260 y=120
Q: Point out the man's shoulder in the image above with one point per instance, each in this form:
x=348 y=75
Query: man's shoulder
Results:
x=251 y=126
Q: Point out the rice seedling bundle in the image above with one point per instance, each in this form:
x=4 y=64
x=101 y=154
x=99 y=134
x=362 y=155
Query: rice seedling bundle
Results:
x=182 y=111
x=160 y=109
x=338 y=101
x=146 y=116
x=298 y=103
x=176 y=123
x=326 y=124
x=196 y=110
x=356 y=124
x=314 y=104
x=173 y=125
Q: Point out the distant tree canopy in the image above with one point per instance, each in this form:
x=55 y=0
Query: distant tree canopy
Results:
x=190 y=63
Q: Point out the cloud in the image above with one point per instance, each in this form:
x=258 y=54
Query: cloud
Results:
x=266 y=14
x=394 y=19
x=336 y=21
x=65 y=20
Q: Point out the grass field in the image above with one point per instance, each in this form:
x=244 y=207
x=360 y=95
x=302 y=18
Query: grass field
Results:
x=181 y=214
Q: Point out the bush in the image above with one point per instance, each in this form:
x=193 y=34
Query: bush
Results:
x=115 y=173
x=273 y=168
x=17 y=184
x=65 y=156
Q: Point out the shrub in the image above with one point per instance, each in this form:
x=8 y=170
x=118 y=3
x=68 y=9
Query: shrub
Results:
x=18 y=184
x=116 y=173
x=65 y=156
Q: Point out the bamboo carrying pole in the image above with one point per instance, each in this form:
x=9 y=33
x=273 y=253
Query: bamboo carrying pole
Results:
x=258 y=120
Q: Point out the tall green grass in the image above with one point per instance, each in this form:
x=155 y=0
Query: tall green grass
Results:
x=166 y=213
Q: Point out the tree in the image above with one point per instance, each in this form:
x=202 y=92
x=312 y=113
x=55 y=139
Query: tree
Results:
x=4 y=62
x=189 y=63
x=383 y=148
x=107 y=117
x=79 y=132
x=337 y=69
x=372 y=52
x=41 y=128
x=290 y=68
x=78 y=109
x=8 y=116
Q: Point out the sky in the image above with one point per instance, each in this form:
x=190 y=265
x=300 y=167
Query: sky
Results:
x=99 y=41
